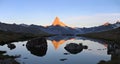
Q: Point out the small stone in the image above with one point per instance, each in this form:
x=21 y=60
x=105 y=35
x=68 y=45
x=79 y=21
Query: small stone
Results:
x=63 y=59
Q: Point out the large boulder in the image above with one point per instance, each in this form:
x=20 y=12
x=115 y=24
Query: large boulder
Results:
x=74 y=48
x=37 y=46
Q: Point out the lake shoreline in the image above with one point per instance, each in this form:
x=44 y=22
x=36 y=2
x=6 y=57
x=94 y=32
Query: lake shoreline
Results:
x=111 y=35
x=8 y=37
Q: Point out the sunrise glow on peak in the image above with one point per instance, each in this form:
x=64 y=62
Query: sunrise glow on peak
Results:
x=106 y=24
x=57 y=22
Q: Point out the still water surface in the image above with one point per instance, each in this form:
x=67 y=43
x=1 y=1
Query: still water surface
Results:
x=58 y=51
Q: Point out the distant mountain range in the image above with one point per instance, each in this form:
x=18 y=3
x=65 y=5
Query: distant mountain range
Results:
x=22 y=28
x=100 y=28
x=57 y=27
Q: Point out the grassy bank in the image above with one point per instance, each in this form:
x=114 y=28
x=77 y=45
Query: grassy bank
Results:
x=113 y=35
x=6 y=59
x=7 y=37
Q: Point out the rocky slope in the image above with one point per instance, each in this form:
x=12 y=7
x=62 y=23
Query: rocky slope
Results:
x=113 y=34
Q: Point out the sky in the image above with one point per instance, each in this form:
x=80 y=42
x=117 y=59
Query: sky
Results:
x=75 y=13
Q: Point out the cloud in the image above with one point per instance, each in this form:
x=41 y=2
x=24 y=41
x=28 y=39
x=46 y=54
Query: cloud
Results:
x=92 y=20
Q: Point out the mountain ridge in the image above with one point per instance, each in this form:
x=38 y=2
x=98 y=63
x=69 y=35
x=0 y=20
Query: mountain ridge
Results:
x=56 y=28
x=20 y=28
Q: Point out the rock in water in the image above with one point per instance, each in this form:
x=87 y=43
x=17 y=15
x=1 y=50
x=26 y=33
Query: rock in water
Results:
x=37 y=46
x=74 y=48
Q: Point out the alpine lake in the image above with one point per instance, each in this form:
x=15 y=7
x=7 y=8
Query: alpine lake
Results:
x=62 y=50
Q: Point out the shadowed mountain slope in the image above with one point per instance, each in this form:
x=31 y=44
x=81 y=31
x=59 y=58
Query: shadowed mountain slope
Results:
x=113 y=34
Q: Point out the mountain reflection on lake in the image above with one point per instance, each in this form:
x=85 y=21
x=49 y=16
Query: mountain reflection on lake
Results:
x=62 y=50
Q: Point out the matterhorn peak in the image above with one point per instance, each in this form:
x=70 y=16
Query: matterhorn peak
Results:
x=58 y=22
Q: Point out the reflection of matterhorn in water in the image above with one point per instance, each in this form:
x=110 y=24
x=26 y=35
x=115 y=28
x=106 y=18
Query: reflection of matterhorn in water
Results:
x=72 y=44
x=59 y=40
